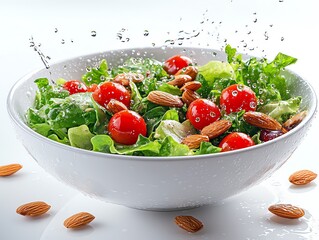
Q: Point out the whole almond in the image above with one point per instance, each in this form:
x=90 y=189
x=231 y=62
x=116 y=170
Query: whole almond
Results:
x=216 y=128
x=164 y=99
x=115 y=106
x=302 y=177
x=286 y=211
x=78 y=220
x=9 y=169
x=180 y=80
x=294 y=120
x=189 y=70
x=189 y=96
x=262 y=120
x=194 y=141
x=125 y=78
x=193 y=85
x=33 y=209
x=189 y=223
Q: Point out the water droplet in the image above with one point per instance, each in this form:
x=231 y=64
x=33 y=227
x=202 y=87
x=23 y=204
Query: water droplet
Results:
x=266 y=35
x=153 y=44
x=197 y=119
x=271 y=25
x=93 y=33
x=56 y=30
x=88 y=69
x=281 y=1
x=212 y=114
x=234 y=93
x=249 y=32
x=62 y=41
x=240 y=87
x=102 y=78
x=282 y=38
x=146 y=33
x=255 y=20
x=72 y=41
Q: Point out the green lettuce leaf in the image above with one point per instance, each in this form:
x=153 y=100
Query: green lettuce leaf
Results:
x=75 y=110
x=282 y=110
x=46 y=92
x=215 y=70
x=96 y=75
x=80 y=137
x=104 y=143
x=264 y=78
x=207 y=148
x=174 y=129
x=170 y=147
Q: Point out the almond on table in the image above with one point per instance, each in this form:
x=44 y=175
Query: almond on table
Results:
x=286 y=211
x=189 y=223
x=78 y=220
x=33 y=209
x=302 y=177
x=7 y=170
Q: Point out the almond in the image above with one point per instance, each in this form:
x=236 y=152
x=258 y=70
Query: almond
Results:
x=193 y=85
x=302 y=177
x=180 y=80
x=286 y=211
x=189 y=96
x=10 y=169
x=164 y=99
x=115 y=106
x=217 y=128
x=190 y=71
x=78 y=220
x=33 y=209
x=194 y=141
x=125 y=78
x=262 y=120
x=189 y=223
x=294 y=120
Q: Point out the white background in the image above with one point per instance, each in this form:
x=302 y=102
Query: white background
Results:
x=290 y=26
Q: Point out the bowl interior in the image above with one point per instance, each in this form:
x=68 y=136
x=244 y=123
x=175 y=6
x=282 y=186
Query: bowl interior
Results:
x=22 y=94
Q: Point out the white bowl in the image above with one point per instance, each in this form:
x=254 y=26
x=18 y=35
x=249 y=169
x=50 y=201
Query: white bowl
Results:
x=158 y=183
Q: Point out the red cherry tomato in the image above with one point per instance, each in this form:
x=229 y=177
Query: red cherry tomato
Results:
x=202 y=112
x=125 y=126
x=110 y=90
x=235 y=140
x=74 y=86
x=92 y=87
x=175 y=63
x=238 y=97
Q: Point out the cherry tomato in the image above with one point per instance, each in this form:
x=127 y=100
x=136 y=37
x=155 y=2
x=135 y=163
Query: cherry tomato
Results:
x=74 y=86
x=202 y=112
x=235 y=140
x=92 y=87
x=238 y=97
x=175 y=63
x=110 y=90
x=125 y=126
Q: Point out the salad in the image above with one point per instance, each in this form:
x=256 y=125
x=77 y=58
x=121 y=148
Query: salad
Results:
x=146 y=107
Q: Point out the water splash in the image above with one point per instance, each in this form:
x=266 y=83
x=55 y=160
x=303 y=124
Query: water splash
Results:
x=36 y=47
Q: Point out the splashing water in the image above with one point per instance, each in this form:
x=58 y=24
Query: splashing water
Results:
x=36 y=47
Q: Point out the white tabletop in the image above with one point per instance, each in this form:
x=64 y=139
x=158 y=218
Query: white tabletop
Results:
x=64 y=30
